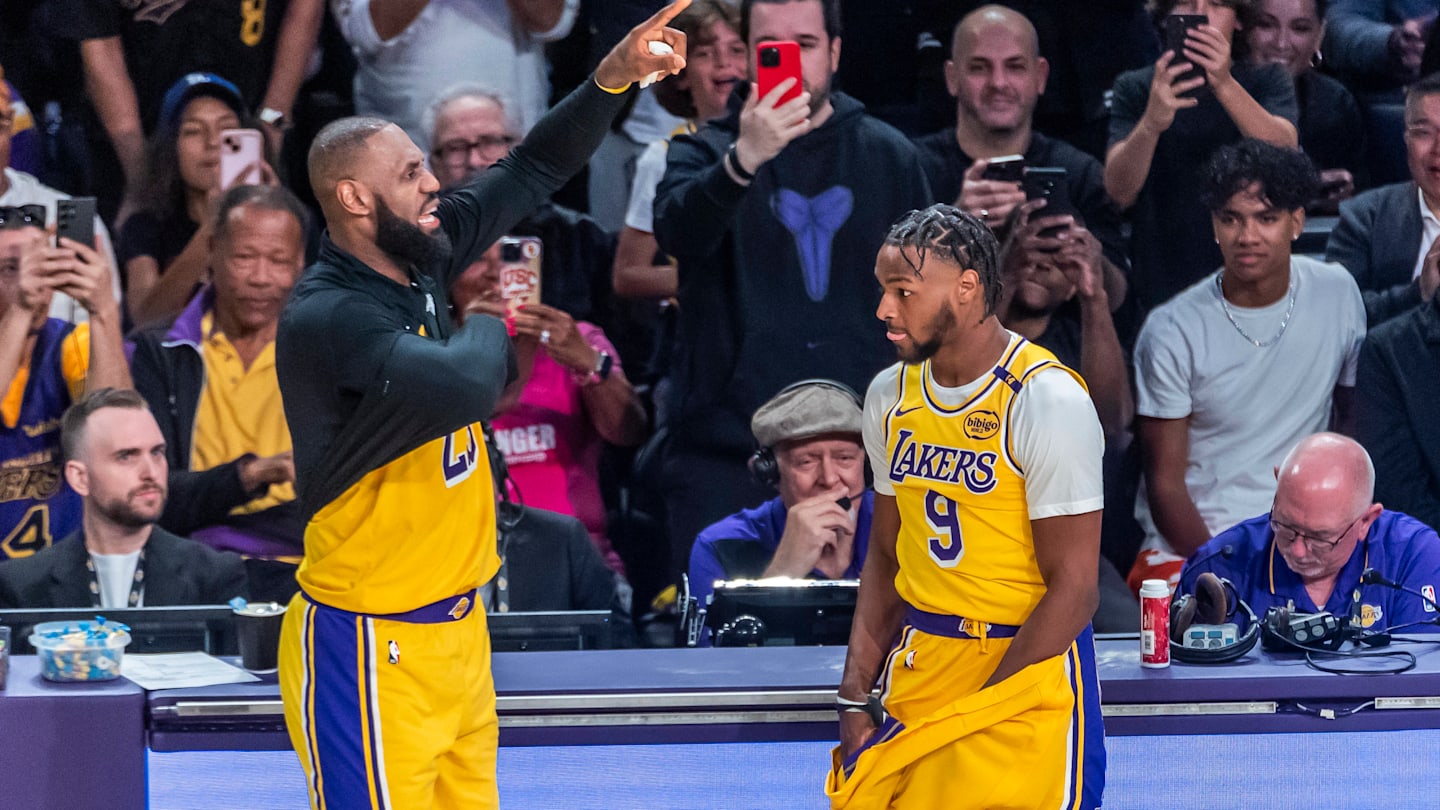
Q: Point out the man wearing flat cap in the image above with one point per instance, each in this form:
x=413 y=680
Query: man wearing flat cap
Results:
x=811 y=450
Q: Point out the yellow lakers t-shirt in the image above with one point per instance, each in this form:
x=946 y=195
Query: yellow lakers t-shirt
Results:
x=970 y=467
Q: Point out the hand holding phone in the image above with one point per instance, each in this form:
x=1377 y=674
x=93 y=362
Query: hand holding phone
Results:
x=1177 y=30
x=1005 y=169
x=519 y=273
x=774 y=63
x=1049 y=184
x=75 y=219
x=241 y=156
x=776 y=112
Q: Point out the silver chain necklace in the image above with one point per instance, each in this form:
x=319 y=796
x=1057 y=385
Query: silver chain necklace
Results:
x=1284 y=322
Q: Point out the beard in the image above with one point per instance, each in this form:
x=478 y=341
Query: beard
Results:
x=405 y=243
x=920 y=351
x=128 y=513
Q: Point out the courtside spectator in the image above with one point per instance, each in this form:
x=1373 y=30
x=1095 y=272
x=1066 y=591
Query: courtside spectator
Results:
x=19 y=189
x=471 y=129
x=1331 y=130
x=408 y=48
x=1234 y=371
x=210 y=380
x=775 y=214
x=1397 y=389
x=1386 y=236
x=165 y=247
x=572 y=396
x=45 y=364
x=119 y=558
x=1164 y=128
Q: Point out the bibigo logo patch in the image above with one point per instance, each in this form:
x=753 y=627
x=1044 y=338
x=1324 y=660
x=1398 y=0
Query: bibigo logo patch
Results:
x=982 y=424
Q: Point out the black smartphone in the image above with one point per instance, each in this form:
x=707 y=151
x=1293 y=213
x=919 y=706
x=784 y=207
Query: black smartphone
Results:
x=1006 y=168
x=75 y=219
x=1177 y=28
x=1048 y=183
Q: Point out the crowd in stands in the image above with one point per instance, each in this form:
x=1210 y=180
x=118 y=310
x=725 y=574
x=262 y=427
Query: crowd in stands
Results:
x=707 y=307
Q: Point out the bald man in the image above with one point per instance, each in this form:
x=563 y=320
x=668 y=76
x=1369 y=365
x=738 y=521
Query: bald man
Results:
x=996 y=75
x=1322 y=533
x=385 y=655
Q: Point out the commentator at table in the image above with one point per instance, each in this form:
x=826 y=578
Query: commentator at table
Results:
x=1322 y=533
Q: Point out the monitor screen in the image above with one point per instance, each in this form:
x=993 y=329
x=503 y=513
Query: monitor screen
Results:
x=186 y=628
x=551 y=630
x=782 y=611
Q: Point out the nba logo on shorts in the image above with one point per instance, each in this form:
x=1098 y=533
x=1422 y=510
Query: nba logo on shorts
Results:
x=1428 y=591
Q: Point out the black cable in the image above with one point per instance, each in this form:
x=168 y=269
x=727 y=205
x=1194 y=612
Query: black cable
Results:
x=1296 y=707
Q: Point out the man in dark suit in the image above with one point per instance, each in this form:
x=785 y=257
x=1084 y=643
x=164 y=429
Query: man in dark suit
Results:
x=1386 y=236
x=115 y=460
x=1396 y=388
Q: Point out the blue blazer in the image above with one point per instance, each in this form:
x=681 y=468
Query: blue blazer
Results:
x=1378 y=241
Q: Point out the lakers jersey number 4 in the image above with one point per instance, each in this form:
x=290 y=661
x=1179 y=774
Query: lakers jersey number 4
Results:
x=965 y=545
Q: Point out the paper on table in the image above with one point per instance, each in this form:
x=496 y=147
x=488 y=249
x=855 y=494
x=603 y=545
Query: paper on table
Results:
x=181 y=670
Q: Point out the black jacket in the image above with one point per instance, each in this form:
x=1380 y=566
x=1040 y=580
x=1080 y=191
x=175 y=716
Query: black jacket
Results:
x=553 y=564
x=177 y=572
x=1378 y=241
x=1397 y=393
x=777 y=279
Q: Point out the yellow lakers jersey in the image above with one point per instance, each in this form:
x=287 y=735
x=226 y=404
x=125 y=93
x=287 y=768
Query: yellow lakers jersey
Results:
x=965 y=547
x=407 y=530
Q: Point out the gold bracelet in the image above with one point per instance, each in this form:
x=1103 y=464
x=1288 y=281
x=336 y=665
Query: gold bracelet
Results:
x=611 y=90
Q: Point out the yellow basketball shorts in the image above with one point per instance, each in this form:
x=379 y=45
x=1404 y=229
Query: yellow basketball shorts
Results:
x=391 y=711
x=1034 y=740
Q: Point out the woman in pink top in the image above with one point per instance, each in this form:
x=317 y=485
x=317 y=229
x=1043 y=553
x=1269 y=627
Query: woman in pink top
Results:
x=571 y=397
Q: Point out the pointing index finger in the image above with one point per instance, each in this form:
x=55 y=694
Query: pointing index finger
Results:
x=666 y=14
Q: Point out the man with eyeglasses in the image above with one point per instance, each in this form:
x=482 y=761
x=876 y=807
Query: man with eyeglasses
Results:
x=470 y=130
x=1386 y=237
x=1323 y=531
x=21 y=192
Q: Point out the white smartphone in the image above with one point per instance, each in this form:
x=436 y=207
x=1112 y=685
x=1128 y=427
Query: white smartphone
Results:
x=241 y=151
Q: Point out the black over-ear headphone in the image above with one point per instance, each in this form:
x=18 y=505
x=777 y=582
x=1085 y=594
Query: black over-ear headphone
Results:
x=763 y=466
x=1215 y=600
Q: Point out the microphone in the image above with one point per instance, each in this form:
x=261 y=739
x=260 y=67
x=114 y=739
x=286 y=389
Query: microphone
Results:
x=1373 y=577
x=1226 y=551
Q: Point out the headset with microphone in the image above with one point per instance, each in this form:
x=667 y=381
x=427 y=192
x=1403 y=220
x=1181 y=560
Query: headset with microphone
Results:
x=764 y=468
x=1215 y=602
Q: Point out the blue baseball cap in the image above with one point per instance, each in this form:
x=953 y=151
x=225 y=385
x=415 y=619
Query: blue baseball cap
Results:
x=198 y=84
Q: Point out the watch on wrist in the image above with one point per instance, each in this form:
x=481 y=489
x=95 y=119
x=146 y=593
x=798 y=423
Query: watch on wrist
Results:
x=603 y=364
x=275 y=118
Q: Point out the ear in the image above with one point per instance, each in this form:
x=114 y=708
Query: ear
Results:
x=952 y=78
x=834 y=55
x=967 y=289
x=355 y=198
x=1276 y=470
x=1298 y=218
x=77 y=477
x=1042 y=70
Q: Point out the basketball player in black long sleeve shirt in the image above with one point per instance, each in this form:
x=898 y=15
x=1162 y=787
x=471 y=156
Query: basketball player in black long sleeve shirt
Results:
x=385 y=658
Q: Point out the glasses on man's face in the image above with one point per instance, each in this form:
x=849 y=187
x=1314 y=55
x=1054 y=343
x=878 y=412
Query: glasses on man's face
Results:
x=1316 y=546
x=490 y=147
x=22 y=216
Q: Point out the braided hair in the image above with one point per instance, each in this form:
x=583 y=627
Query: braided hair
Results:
x=963 y=238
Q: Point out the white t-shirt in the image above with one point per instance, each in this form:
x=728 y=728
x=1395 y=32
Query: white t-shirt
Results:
x=1247 y=406
x=116 y=574
x=25 y=189
x=449 y=43
x=1429 y=230
x=649 y=169
x=1054 y=429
